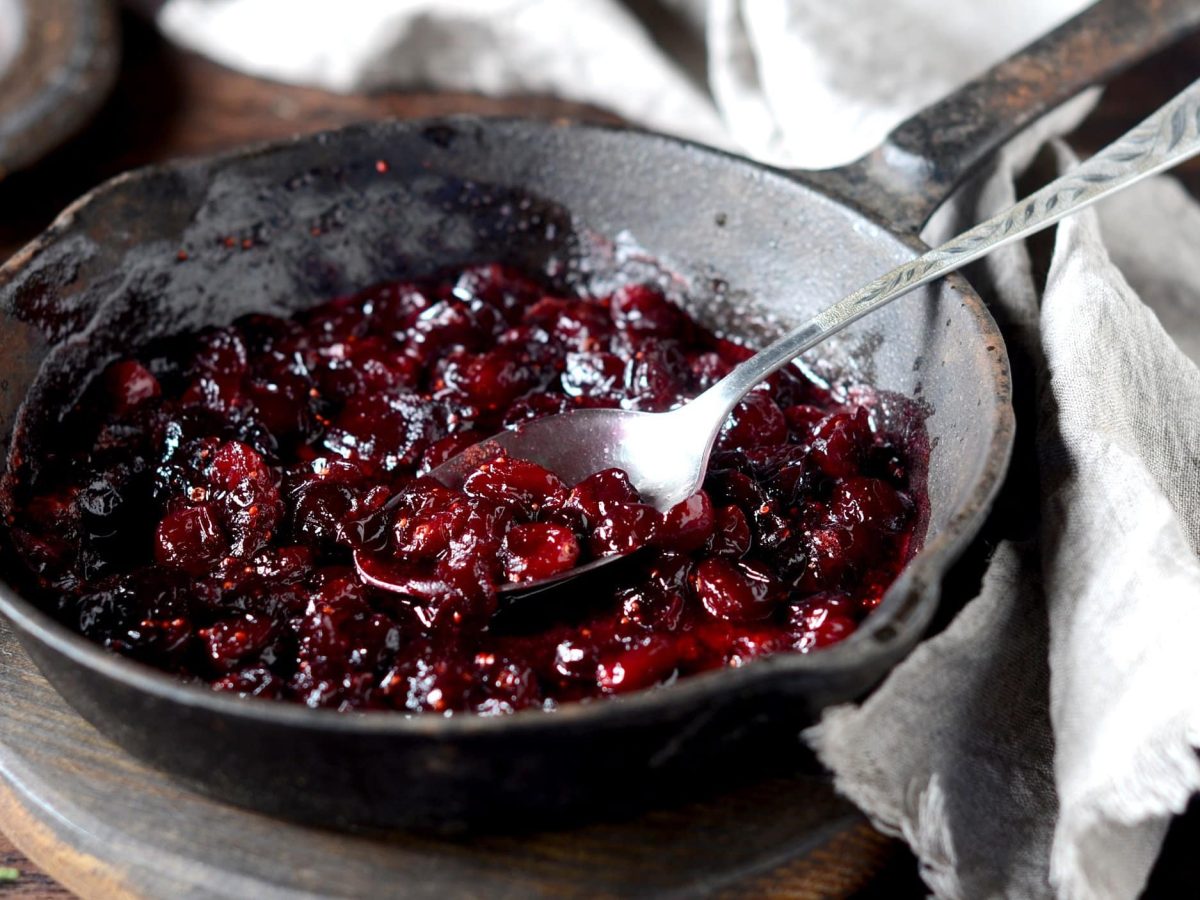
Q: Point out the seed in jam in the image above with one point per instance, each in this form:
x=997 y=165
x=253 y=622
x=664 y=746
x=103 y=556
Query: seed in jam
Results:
x=199 y=510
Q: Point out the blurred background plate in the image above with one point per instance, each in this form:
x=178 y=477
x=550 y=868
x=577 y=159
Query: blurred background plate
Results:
x=58 y=62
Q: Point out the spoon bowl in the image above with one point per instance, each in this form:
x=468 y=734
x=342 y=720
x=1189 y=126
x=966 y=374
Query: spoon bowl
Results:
x=665 y=455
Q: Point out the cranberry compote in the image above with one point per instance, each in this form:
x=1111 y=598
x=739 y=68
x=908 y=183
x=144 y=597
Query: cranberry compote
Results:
x=198 y=509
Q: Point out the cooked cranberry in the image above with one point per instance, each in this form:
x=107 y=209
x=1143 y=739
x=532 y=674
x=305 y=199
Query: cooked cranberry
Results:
x=255 y=681
x=622 y=527
x=644 y=310
x=732 y=535
x=707 y=369
x=231 y=642
x=578 y=325
x=517 y=482
x=688 y=524
x=197 y=511
x=637 y=668
x=755 y=422
x=597 y=375
x=739 y=592
x=821 y=620
x=447 y=448
x=190 y=539
x=576 y=660
x=840 y=441
x=653 y=608
x=488 y=380
x=606 y=486
x=321 y=509
x=130 y=384
x=533 y=552
x=871 y=502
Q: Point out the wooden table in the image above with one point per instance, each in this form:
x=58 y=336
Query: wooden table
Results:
x=169 y=104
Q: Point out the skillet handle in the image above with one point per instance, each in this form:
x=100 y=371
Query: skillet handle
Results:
x=925 y=158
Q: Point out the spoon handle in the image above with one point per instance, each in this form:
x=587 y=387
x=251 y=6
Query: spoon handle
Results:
x=1165 y=139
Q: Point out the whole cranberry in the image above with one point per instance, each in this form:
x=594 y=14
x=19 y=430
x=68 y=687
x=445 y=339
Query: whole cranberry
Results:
x=871 y=502
x=321 y=511
x=821 y=620
x=190 y=539
x=231 y=642
x=623 y=527
x=732 y=535
x=605 y=486
x=129 y=385
x=645 y=311
x=516 y=483
x=688 y=524
x=755 y=422
x=652 y=608
x=738 y=592
x=597 y=375
x=539 y=550
x=636 y=668
x=840 y=442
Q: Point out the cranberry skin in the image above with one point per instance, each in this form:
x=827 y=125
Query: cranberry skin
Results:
x=321 y=510
x=840 y=441
x=537 y=551
x=221 y=353
x=688 y=525
x=821 y=620
x=491 y=380
x=707 y=369
x=238 y=468
x=653 y=608
x=501 y=286
x=253 y=681
x=622 y=527
x=638 y=668
x=447 y=448
x=129 y=385
x=802 y=417
x=600 y=376
x=509 y=687
x=190 y=539
x=835 y=554
x=450 y=323
x=732 y=535
x=230 y=643
x=651 y=382
x=576 y=660
x=535 y=406
x=251 y=506
x=643 y=310
x=737 y=592
x=755 y=422
x=605 y=486
x=516 y=483
x=871 y=502
x=578 y=325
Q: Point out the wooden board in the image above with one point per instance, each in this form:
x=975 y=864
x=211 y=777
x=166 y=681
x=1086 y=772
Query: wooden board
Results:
x=106 y=826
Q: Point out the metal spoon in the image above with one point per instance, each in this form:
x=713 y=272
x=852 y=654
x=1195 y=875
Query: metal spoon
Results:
x=666 y=454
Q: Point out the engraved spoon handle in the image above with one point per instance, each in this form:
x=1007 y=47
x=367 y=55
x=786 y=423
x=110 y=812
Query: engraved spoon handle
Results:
x=1165 y=139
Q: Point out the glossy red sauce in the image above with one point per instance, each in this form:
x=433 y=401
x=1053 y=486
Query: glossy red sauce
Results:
x=197 y=511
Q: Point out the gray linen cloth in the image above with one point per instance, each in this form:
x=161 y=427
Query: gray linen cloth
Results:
x=1040 y=743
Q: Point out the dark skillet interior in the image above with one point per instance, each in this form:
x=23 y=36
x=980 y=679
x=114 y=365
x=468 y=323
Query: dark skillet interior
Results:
x=752 y=248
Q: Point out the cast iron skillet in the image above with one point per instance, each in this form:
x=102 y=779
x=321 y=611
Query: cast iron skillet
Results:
x=746 y=242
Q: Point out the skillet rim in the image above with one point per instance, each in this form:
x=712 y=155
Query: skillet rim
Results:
x=907 y=605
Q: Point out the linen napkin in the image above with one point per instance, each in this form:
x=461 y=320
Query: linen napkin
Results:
x=1039 y=745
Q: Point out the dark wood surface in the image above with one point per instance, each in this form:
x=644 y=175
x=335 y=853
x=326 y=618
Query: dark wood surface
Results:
x=169 y=104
